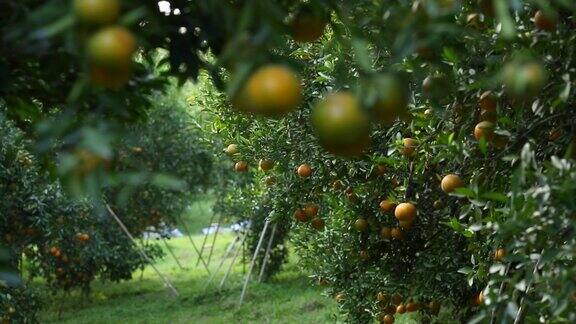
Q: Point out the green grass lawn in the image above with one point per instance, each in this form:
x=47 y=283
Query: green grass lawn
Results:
x=288 y=298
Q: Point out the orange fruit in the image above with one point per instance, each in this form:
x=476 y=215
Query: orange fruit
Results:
x=318 y=223
x=488 y=101
x=265 y=165
x=241 y=166
x=273 y=91
x=112 y=48
x=110 y=78
x=304 y=171
x=231 y=149
x=307 y=27
x=299 y=215
x=361 y=225
x=388 y=319
x=484 y=129
x=392 y=99
x=488 y=116
x=400 y=309
x=97 y=12
x=409 y=148
x=543 y=22
x=396 y=299
x=450 y=182
x=412 y=307
x=479 y=299
x=380 y=170
x=396 y=233
x=387 y=206
x=406 y=225
x=499 y=255
x=340 y=297
x=311 y=210
x=341 y=125
x=405 y=212
x=385 y=233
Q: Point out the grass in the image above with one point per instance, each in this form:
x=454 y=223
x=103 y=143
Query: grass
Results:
x=288 y=298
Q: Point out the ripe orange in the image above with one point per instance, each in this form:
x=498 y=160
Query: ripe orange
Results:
x=406 y=225
x=543 y=22
x=479 y=299
x=109 y=78
x=412 y=307
x=396 y=233
x=231 y=149
x=299 y=215
x=340 y=297
x=484 y=129
x=318 y=223
x=265 y=165
x=304 y=171
x=341 y=125
x=405 y=212
x=388 y=319
x=488 y=101
x=361 y=225
x=241 y=166
x=450 y=182
x=396 y=299
x=499 y=255
x=112 y=49
x=97 y=12
x=387 y=206
x=409 y=148
x=392 y=99
x=273 y=91
x=385 y=233
x=400 y=309
x=380 y=170
x=490 y=116
x=307 y=27
x=311 y=210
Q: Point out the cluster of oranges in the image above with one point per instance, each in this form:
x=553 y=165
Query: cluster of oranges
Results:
x=309 y=213
x=111 y=47
x=392 y=304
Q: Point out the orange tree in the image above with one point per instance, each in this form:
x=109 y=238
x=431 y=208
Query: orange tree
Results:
x=391 y=100
x=456 y=192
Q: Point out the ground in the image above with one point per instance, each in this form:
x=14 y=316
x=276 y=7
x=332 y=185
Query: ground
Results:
x=288 y=298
